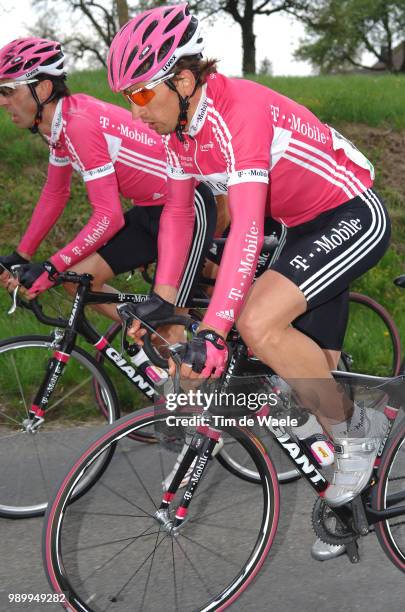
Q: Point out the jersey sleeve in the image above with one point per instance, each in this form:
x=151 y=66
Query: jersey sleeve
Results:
x=175 y=231
x=51 y=203
x=247 y=204
x=88 y=151
x=244 y=140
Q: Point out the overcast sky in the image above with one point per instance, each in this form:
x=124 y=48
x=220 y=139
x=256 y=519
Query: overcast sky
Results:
x=276 y=38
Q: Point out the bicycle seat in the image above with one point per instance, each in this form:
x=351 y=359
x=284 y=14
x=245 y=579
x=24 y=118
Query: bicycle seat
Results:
x=400 y=281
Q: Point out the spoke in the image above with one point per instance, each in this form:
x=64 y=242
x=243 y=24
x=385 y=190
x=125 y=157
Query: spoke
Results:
x=68 y=394
x=149 y=573
x=197 y=573
x=112 y=514
x=176 y=601
x=118 y=593
x=7 y=416
x=222 y=509
x=46 y=489
x=214 y=552
x=134 y=471
x=397 y=524
x=220 y=526
x=114 y=556
x=19 y=383
x=121 y=496
x=101 y=544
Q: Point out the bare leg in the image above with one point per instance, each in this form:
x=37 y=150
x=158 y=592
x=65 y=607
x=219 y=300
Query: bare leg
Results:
x=272 y=304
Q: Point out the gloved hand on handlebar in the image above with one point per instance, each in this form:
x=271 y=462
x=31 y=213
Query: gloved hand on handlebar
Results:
x=154 y=309
x=14 y=259
x=206 y=354
x=37 y=277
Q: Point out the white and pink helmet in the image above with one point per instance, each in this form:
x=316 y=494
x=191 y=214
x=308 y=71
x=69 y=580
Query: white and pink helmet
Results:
x=25 y=58
x=148 y=46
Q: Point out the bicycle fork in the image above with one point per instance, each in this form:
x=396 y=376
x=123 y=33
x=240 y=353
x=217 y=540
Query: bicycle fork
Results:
x=63 y=346
x=199 y=451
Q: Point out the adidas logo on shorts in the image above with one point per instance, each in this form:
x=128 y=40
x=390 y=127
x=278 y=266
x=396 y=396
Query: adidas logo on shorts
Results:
x=226 y=314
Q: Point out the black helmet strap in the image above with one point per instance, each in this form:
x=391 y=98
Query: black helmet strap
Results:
x=184 y=104
x=40 y=107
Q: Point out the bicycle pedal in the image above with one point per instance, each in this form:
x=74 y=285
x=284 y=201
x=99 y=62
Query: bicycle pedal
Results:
x=360 y=523
x=352 y=551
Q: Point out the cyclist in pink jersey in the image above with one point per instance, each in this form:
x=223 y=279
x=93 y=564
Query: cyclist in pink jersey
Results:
x=113 y=155
x=272 y=156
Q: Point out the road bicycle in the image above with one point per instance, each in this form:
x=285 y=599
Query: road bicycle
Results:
x=66 y=393
x=129 y=544
x=47 y=407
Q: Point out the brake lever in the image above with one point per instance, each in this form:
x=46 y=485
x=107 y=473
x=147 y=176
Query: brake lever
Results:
x=13 y=307
x=176 y=351
x=128 y=321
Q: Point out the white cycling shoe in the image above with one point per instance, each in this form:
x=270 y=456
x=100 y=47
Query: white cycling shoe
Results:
x=354 y=459
x=321 y=551
x=167 y=481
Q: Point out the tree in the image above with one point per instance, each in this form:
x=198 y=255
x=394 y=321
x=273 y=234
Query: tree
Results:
x=88 y=26
x=244 y=13
x=340 y=31
x=266 y=67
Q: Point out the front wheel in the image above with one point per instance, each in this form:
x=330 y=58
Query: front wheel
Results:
x=108 y=546
x=31 y=460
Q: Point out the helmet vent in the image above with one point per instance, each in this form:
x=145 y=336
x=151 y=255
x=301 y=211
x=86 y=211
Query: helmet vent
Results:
x=151 y=27
x=174 y=22
x=26 y=48
x=144 y=67
x=138 y=23
x=131 y=58
x=53 y=59
x=189 y=33
x=165 y=48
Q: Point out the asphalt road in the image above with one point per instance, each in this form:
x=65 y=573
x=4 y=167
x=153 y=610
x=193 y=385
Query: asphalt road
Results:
x=289 y=581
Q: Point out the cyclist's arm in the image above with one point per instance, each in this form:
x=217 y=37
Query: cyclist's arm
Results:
x=106 y=220
x=247 y=203
x=49 y=208
x=175 y=236
x=89 y=152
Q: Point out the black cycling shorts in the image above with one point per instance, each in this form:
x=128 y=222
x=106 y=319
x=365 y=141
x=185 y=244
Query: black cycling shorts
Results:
x=135 y=244
x=323 y=256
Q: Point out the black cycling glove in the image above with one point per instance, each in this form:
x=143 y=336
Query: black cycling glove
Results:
x=7 y=261
x=154 y=309
x=29 y=273
x=206 y=353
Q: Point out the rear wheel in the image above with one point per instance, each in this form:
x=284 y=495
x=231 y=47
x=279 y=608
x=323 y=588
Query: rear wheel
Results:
x=372 y=341
x=390 y=493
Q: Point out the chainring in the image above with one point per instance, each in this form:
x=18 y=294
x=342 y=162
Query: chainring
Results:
x=328 y=527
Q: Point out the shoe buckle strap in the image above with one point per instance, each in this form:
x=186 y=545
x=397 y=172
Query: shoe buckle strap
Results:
x=352 y=445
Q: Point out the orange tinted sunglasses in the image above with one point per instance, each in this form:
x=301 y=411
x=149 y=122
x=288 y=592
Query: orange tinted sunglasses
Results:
x=144 y=95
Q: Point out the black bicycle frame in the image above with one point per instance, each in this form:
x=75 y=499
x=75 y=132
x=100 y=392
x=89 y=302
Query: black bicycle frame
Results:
x=77 y=324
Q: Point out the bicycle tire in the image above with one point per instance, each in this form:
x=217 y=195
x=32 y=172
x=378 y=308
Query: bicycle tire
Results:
x=391 y=481
x=388 y=337
x=67 y=549
x=30 y=462
x=229 y=462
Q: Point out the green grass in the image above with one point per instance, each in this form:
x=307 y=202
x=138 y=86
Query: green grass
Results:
x=345 y=102
x=372 y=100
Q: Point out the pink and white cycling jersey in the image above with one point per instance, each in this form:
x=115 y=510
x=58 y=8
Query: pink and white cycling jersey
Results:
x=274 y=158
x=114 y=155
